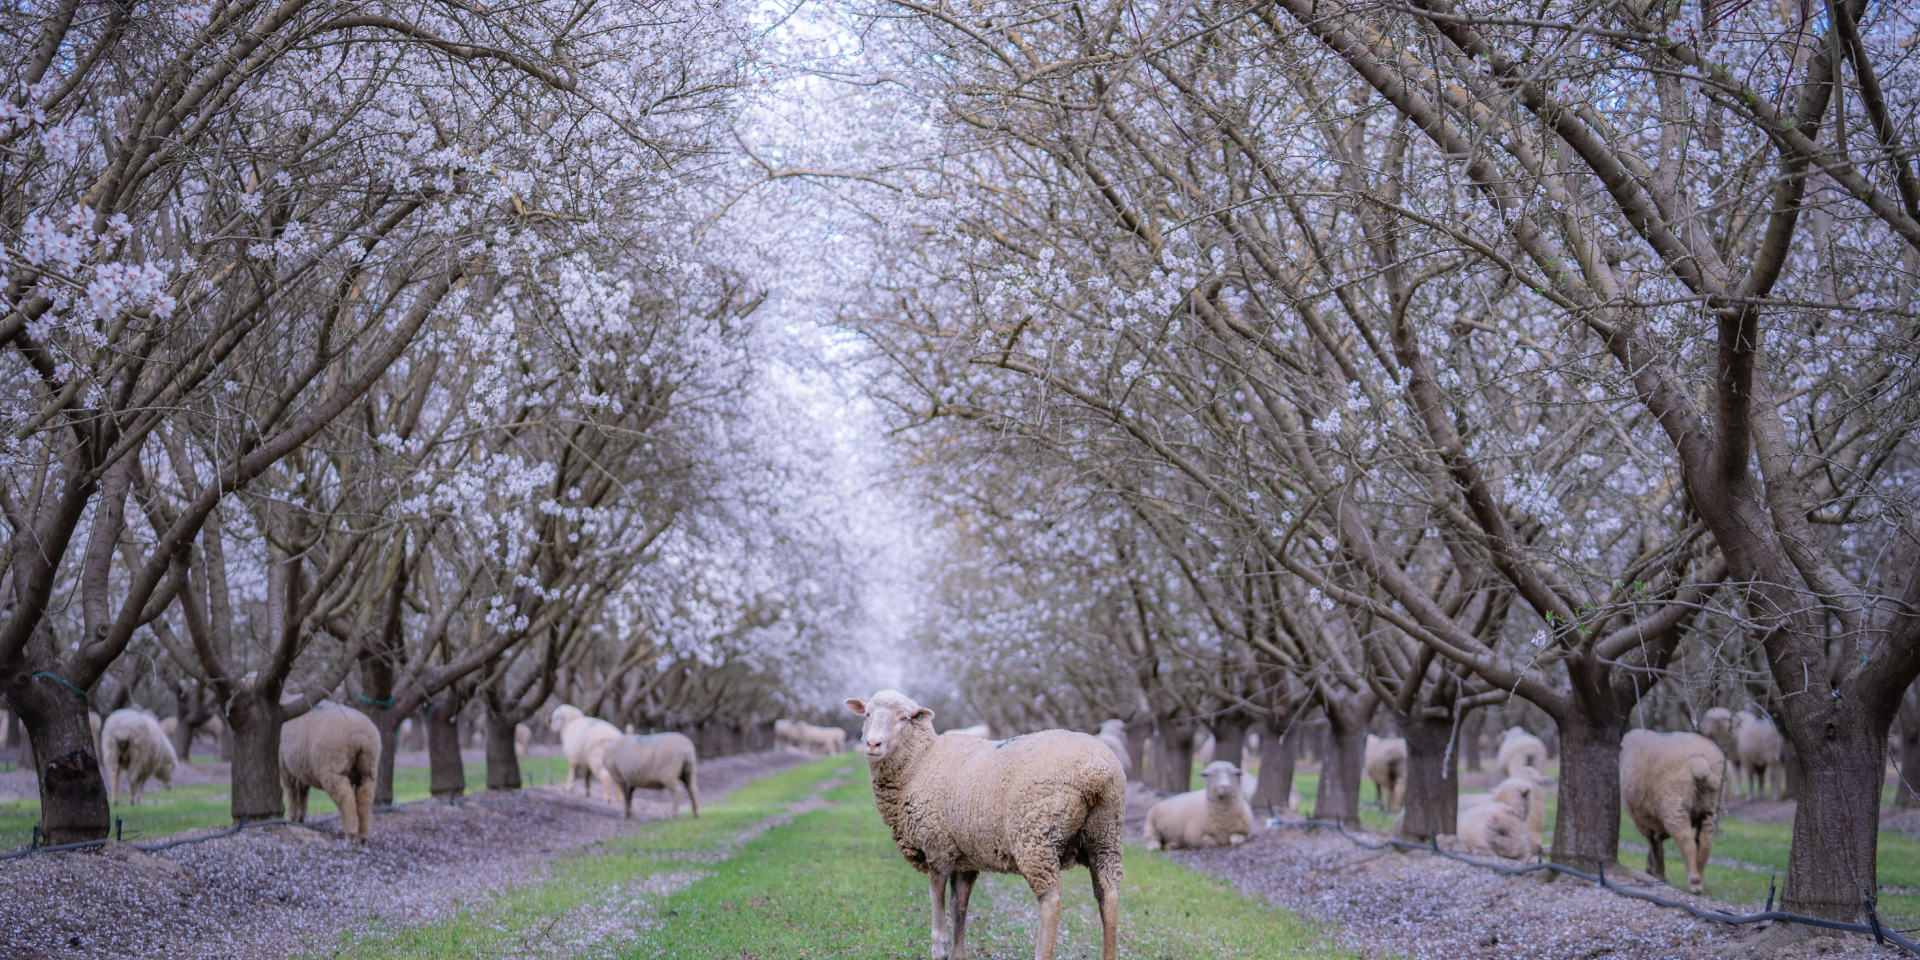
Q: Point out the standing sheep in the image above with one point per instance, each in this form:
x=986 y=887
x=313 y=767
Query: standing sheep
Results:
x=1031 y=805
x=1386 y=765
x=1113 y=733
x=1216 y=815
x=1756 y=750
x=1717 y=725
x=1670 y=785
x=1518 y=748
x=584 y=740
x=654 y=761
x=522 y=740
x=827 y=740
x=132 y=744
x=335 y=749
x=786 y=733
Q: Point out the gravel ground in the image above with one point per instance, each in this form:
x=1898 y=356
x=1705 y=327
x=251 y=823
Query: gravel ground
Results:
x=1416 y=905
x=275 y=891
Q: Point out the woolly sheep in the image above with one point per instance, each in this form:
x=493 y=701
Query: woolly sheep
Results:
x=1518 y=748
x=1756 y=748
x=133 y=744
x=522 y=740
x=584 y=740
x=1386 y=765
x=786 y=733
x=335 y=749
x=1031 y=805
x=1524 y=794
x=980 y=730
x=1494 y=828
x=1113 y=733
x=653 y=762
x=827 y=740
x=1717 y=725
x=1670 y=785
x=1216 y=815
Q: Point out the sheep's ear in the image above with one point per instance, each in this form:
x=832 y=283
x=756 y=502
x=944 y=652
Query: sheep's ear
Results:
x=922 y=714
x=856 y=708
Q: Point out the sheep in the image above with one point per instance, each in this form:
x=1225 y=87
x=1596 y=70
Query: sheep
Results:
x=584 y=740
x=1217 y=815
x=1031 y=805
x=1113 y=733
x=1518 y=748
x=1386 y=765
x=1524 y=793
x=1670 y=785
x=335 y=749
x=1756 y=749
x=132 y=742
x=980 y=730
x=653 y=761
x=1717 y=725
x=522 y=740
x=827 y=740
x=1495 y=828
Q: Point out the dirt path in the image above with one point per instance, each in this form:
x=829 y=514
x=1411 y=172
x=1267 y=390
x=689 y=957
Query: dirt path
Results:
x=276 y=891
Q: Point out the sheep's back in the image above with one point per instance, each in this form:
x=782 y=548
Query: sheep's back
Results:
x=329 y=742
x=992 y=795
x=1660 y=769
x=649 y=759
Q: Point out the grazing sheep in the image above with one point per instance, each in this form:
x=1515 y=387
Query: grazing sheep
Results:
x=1031 y=805
x=1519 y=748
x=1386 y=766
x=335 y=749
x=1216 y=815
x=1670 y=785
x=522 y=740
x=654 y=762
x=584 y=740
x=1756 y=749
x=980 y=730
x=1113 y=733
x=132 y=743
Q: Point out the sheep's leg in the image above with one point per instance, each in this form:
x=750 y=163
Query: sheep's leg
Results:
x=1656 y=854
x=673 y=797
x=693 y=796
x=113 y=783
x=1689 y=852
x=1049 y=923
x=962 y=892
x=1703 y=847
x=363 y=798
x=937 y=884
x=628 y=792
x=1106 y=893
x=342 y=796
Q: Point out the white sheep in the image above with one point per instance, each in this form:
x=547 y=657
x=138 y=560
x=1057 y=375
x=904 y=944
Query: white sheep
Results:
x=1670 y=785
x=1756 y=748
x=337 y=750
x=980 y=730
x=1518 y=748
x=1029 y=805
x=522 y=740
x=133 y=744
x=1386 y=766
x=584 y=740
x=654 y=761
x=786 y=733
x=827 y=740
x=1717 y=725
x=1113 y=733
x=1494 y=828
x=1525 y=794
x=1216 y=815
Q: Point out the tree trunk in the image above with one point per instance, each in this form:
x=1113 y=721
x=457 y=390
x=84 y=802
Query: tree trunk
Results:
x=1229 y=738
x=1470 y=740
x=1173 y=757
x=1586 y=828
x=1790 y=773
x=388 y=723
x=1433 y=783
x=1139 y=734
x=1277 y=750
x=254 y=725
x=449 y=775
x=73 y=797
x=1907 y=792
x=1341 y=770
x=503 y=763
x=1842 y=751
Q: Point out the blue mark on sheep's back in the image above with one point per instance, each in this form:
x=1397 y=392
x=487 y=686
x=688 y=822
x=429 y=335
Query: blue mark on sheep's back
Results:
x=1004 y=742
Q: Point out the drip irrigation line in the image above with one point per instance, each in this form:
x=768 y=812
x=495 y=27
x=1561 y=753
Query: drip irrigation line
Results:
x=1881 y=934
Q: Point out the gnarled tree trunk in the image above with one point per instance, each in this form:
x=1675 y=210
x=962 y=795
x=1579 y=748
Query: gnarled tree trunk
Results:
x=254 y=716
x=1338 y=797
x=449 y=774
x=503 y=761
x=1586 y=827
x=73 y=797
x=1433 y=785
x=1278 y=747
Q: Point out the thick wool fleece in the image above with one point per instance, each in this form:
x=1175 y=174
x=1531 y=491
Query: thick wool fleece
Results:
x=1670 y=785
x=1217 y=815
x=335 y=749
x=1386 y=766
x=133 y=745
x=1520 y=749
x=653 y=762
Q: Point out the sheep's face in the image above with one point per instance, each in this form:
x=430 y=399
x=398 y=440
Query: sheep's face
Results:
x=1222 y=780
x=887 y=718
x=563 y=716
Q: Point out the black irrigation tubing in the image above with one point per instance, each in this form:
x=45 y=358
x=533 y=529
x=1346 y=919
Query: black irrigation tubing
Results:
x=230 y=831
x=1880 y=934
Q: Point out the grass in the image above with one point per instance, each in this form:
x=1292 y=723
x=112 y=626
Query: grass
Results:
x=1759 y=845
x=827 y=884
x=163 y=813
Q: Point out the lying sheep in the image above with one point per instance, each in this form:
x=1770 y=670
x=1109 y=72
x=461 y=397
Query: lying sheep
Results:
x=1756 y=750
x=132 y=743
x=653 y=762
x=1495 y=828
x=1113 y=733
x=1519 y=748
x=1670 y=785
x=1386 y=765
x=584 y=740
x=1030 y=805
x=1216 y=815
x=335 y=749
x=1525 y=795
